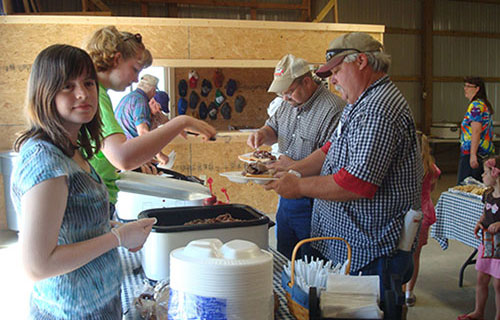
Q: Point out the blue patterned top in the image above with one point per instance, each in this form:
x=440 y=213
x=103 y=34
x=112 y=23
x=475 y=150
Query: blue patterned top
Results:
x=477 y=111
x=93 y=290
x=132 y=111
x=376 y=142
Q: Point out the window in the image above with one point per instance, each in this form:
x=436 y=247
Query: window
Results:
x=156 y=71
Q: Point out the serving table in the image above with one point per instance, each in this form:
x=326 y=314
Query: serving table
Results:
x=456 y=217
x=134 y=275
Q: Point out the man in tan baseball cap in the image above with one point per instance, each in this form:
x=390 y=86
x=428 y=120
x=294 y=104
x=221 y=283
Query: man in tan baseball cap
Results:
x=344 y=45
x=304 y=121
x=288 y=69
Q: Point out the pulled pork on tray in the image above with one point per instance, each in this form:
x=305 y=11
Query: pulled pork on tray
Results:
x=222 y=218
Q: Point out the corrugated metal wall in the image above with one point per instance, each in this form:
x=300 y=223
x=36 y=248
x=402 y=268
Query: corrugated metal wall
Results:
x=453 y=56
x=396 y=13
x=406 y=50
x=466 y=16
x=461 y=56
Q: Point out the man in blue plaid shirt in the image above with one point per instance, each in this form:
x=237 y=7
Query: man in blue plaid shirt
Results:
x=368 y=176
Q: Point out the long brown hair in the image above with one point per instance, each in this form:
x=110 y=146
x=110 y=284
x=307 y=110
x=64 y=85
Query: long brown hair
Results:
x=427 y=158
x=481 y=94
x=53 y=68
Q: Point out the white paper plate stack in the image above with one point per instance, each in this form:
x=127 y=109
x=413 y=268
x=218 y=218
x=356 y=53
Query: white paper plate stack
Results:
x=212 y=280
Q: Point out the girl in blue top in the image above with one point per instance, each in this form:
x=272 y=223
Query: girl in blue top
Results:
x=67 y=244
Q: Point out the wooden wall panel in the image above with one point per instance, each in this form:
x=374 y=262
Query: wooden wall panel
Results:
x=256 y=44
x=165 y=42
x=25 y=36
x=9 y=134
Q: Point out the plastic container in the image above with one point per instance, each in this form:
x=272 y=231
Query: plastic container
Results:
x=170 y=233
x=212 y=280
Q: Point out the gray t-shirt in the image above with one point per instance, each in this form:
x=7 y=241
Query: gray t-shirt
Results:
x=303 y=129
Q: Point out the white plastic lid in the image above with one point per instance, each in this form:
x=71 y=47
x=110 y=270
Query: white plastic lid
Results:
x=213 y=252
x=159 y=186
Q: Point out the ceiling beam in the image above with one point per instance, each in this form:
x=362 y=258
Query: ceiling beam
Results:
x=427 y=68
x=480 y=1
x=222 y=3
x=101 y=5
x=332 y=4
x=254 y=5
x=65 y=13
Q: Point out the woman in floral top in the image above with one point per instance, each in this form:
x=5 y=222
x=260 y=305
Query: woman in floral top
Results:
x=476 y=139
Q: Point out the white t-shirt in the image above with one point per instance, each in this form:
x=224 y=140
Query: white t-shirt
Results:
x=271 y=109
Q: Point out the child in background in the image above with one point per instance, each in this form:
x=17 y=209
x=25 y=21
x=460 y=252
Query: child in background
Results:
x=67 y=244
x=489 y=222
x=431 y=174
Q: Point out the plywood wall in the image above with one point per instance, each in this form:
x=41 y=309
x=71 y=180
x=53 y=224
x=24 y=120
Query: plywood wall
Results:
x=182 y=39
x=214 y=42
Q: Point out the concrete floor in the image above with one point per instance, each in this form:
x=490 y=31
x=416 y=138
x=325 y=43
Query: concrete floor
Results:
x=437 y=291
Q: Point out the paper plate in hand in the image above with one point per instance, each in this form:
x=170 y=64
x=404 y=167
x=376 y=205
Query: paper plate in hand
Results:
x=170 y=163
x=248 y=157
x=236 y=176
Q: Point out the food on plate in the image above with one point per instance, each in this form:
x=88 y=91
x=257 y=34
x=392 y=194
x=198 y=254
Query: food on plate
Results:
x=263 y=155
x=258 y=170
x=258 y=156
x=470 y=188
x=222 y=218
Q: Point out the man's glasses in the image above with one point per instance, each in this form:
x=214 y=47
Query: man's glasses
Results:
x=330 y=53
x=288 y=94
x=137 y=37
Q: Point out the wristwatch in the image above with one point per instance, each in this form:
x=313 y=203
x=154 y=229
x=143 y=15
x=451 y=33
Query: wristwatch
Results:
x=296 y=173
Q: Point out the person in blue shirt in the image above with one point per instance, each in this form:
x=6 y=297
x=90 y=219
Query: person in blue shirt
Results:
x=68 y=244
x=133 y=113
x=159 y=109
